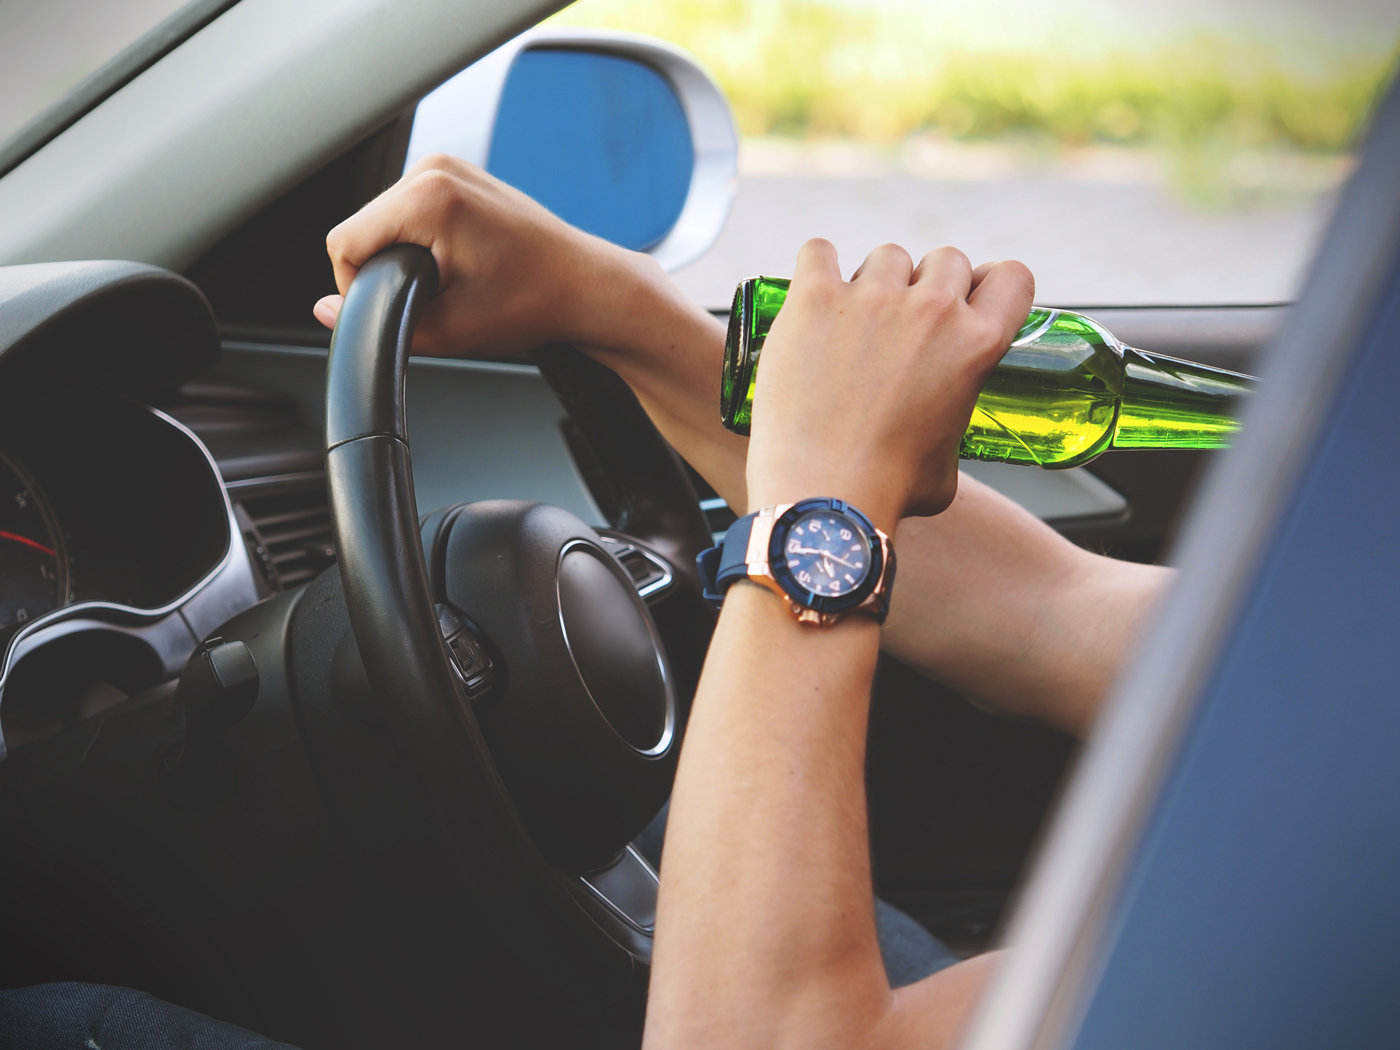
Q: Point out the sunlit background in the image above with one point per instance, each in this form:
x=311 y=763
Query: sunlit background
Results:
x=1172 y=152
x=1178 y=151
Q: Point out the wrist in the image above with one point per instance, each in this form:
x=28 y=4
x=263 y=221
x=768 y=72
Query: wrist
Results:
x=872 y=500
x=632 y=317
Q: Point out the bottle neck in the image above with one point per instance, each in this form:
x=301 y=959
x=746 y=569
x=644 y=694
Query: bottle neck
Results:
x=1177 y=404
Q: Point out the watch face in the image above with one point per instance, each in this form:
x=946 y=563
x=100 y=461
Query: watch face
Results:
x=827 y=554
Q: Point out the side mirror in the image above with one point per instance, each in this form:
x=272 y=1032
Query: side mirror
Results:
x=624 y=136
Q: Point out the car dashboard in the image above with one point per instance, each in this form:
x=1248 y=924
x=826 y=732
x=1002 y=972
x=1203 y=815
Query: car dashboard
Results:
x=156 y=481
x=117 y=537
x=116 y=556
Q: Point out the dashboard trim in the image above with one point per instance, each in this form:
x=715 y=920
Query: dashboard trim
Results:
x=295 y=478
x=232 y=572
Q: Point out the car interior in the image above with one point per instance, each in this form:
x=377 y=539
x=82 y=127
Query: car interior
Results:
x=339 y=687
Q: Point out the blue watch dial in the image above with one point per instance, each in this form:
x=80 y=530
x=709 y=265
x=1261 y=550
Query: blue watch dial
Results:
x=826 y=553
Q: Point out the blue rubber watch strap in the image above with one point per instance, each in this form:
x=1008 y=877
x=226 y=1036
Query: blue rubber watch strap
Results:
x=720 y=566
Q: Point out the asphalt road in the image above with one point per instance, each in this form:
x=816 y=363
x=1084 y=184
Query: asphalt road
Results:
x=1088 y=243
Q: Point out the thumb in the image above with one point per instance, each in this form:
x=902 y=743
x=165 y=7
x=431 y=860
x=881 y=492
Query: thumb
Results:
x=328 y=309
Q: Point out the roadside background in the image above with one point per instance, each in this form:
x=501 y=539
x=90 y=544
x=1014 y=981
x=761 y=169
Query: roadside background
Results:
x=1131 y=152
x=1180 y=152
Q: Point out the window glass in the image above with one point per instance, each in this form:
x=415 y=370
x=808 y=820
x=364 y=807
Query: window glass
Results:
x=1179 y=152
x=47 y=47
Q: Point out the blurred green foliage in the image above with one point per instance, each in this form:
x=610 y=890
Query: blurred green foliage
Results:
x=808 y=68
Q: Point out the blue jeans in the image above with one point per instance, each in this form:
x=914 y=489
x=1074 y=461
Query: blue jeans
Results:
x=95 y=1017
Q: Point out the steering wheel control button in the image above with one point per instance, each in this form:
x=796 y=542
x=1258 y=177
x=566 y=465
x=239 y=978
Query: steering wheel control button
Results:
x=612 y=646
x=651 y=575
x=467 y=653
x=218 y=687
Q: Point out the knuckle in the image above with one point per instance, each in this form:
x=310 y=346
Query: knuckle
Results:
x=940 y=301
x=821 y=291
x=1021 y=272
x=436 y=162
x=987 y=334
x=893 y=250
x=436 y=190
x=951 y=255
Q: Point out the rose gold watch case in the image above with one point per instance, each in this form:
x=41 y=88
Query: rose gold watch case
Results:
x=876 y=604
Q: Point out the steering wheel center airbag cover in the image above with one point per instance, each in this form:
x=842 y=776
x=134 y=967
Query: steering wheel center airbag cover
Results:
x=614 y=647
x=584 y=731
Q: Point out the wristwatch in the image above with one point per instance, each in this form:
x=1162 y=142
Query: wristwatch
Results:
x=821 y=556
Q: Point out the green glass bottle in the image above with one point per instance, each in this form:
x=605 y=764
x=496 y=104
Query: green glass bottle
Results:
x=1066 y=391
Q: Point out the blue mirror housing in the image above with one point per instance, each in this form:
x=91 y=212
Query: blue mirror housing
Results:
x=600 y=140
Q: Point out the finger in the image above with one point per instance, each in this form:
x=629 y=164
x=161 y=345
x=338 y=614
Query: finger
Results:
x=1004 y=296
x=945 y=269
x=414 y=212
x=412 y=203
x=980 y=273
x=327 y=309
x=889 y=262
x=370 y=230
x=816 y=261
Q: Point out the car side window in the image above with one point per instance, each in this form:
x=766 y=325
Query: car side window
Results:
x=1130 y=154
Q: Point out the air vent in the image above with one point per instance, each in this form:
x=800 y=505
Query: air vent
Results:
x=287 y=527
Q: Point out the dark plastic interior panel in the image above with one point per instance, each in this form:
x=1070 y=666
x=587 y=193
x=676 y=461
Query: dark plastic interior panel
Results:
x=111 y=324
x=477 y=430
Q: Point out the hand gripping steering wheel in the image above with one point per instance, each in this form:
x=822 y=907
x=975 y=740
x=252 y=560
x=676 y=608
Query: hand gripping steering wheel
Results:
x=511 y=663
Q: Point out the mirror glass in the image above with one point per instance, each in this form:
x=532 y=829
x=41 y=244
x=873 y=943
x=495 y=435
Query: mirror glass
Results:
x=600 y=140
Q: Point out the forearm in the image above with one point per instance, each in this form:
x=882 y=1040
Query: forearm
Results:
x=765 y=930
x=669 y=351
x=996 y=604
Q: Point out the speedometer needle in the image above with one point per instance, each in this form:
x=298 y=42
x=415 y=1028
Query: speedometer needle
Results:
x=28 y=543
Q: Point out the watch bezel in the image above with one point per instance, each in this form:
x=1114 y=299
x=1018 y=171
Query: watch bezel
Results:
x=804 y=596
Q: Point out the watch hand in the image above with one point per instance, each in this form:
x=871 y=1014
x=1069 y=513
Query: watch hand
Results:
x=824 y=554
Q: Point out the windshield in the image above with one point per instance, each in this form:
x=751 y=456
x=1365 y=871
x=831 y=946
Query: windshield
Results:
x=47 y=47
x=1178 y=152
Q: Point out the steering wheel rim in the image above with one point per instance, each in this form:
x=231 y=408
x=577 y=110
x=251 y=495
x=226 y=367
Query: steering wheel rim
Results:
x=557 y=920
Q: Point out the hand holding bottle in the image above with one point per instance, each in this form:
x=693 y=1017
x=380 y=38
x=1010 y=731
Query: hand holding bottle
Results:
x=1066 y=391
x=869 y=384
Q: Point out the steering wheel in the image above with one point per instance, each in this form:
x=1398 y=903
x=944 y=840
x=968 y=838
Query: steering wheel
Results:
x=509 y=660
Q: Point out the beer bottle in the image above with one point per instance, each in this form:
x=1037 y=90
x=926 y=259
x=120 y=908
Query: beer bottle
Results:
x=1066 y=391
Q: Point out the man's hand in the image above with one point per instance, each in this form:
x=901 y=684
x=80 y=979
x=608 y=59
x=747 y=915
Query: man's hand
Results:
x=512 y=276
x=866 y=386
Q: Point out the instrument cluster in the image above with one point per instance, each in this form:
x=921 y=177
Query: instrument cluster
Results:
x=34 y=566
x=102 y=500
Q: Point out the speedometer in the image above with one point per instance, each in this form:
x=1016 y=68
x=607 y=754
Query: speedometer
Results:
x=33 y=559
